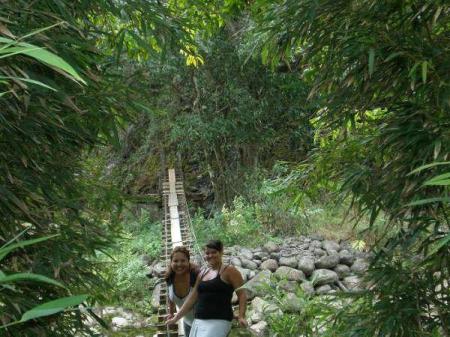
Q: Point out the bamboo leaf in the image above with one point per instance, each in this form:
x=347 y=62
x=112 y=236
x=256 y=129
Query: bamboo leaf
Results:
x=371 y=61
x=5 y=250
x=53 y=307
x=28 y=80
x=42 y=55
x=437 y=182
x=441 y=243
x=29 y=277
x=429 y=201
x=424 y=71
x=423 y=167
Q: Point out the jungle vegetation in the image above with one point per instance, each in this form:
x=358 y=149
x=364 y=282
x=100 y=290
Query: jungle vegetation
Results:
x=266 y=106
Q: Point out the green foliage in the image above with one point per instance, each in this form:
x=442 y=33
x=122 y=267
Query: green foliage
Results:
x=234 y=225
x=140 y=244
x=224 y=118
x=61 y=95
x=10 y=282
x=378 y=69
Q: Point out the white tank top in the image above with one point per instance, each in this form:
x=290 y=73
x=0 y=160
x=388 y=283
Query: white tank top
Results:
x=189 y=317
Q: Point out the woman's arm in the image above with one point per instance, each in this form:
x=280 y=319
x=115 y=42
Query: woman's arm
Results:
x=187 y=305
x=172 y=309
x=234 y=277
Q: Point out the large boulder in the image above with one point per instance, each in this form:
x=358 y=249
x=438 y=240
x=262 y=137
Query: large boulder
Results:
x=360 y=266
x=260 y=329
x=154 y=302
x=269 y=264
x=352 y=283
x=290 y=274
x=346 y=257
x=159 y=269
x=316 y=244
x=120 y=322
x=271 y=247
x=244 y=272
x=319 y=252
x=327 y=262
x=342 y=270
x=246 y=253
x=307 y=288
x=324 y=289
x=289 y=286
x=248 y=264
x=235 y=261
x=267 y=308
x=332 y=246
x=324 y=276
x=291 y=303
x=306 y=265
x=259 y=283
x=260 y=255
x=290 y=261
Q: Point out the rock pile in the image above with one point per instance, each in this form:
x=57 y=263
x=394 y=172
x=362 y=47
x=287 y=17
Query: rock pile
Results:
x=318 y=266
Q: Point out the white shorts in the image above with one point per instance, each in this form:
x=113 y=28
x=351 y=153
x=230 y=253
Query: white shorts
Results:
x=210 y=328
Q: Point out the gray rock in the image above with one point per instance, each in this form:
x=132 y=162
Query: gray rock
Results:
x=246 y=253
x=269 y=264
x=244 y=272
x=147 y=260
x=346 y=257
x=303 y=246
x=248 y=264
x=251 y=274
x=259 y=283
x=255 y=316
x=316 y=237
x=290 y=274
x=287 y=285
x=316 y=244
x=260 y=329
x=308 y=288
x=159 y=269
x=291 y=303
x=324 y=276
x=120 y=322
x=306 y=265
x=260 y=305
x=329 y=245
x=290 y=261
x=275 y=255
x=235 y=261
x=271 y=247
x=323 y=289
x=319 y=252
x=360 y=266
x=154 y=302
x=352 y=283
x=260 y=255
x=342 y=270
x=327 y=262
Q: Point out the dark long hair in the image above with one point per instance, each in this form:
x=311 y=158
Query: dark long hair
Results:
x=215 y=244
x=168 y=276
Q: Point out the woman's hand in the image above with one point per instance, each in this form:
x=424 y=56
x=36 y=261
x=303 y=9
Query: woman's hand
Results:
x=242 y=322
x=173 y=320
x=169 y=316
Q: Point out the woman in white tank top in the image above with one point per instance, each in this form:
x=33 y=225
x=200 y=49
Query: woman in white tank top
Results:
x=180 y=277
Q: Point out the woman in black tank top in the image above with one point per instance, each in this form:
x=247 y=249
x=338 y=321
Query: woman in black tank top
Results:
x=213 y=292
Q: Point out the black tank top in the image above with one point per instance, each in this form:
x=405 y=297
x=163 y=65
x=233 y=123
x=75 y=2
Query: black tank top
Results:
x=214 y=299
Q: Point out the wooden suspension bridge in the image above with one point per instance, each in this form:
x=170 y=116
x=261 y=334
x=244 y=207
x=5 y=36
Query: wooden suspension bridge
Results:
x=176 y=231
